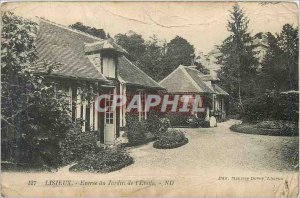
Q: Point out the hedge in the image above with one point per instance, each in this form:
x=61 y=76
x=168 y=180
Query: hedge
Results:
x=171 y=139
x=266 y=129
x=103 y=161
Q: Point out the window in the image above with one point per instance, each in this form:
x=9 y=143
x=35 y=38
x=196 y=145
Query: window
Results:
x=108 y=67
x=109 y=114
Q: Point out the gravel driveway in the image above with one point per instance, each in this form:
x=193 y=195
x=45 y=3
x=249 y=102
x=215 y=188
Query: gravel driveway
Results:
x=197 y=169
x=219 y=148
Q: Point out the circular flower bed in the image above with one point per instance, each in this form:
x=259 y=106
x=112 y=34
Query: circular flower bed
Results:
x=272 y=128
x=103 y=161
x=170 y=139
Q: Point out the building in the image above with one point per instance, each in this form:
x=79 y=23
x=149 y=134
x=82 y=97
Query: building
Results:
x=260 y=42
x=84 y=66
x=186 y=80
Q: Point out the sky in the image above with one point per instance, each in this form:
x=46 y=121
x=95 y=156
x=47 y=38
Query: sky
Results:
x=203 y=24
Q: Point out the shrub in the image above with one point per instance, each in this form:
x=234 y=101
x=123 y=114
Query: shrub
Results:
x=40 y=153
x=205 y=124
x=165 y=124
x=105 y=160
x=262 y=107
x=171 y=139
x=77 y=144
x=278 y=124
x=267 y=128
x=178 y=120
x=135 y=131
x=20 y=167
x=194 y=122
x=156 y=124
x=187 y=120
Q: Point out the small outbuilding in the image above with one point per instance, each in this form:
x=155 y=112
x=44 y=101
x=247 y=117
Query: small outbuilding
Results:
x=187 y=80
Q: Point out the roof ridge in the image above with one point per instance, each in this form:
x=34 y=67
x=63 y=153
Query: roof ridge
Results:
x=70 y=29
x=194 y=69
x=170 y=74
x=191 y=78
x=142 y=71
x=183 y=68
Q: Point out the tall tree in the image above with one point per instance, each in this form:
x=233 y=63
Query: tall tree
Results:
x=289 y=44
x=201 y=68
x=238 y=61
x=272 y=67
x=151 y=61
x=280 y=65
x=33 y=116
x=179 y=52
x=90 y=30
x=133 y=43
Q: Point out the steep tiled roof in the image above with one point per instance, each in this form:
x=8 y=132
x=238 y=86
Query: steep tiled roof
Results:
x=104 y=45
x=178 y=82
x=64 y=47
x=132 y=75
x=182 y=80
x=187 y=79
x=199 y=78
x=220 y=91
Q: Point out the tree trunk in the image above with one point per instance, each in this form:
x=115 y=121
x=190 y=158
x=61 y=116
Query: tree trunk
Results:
x=241 y=107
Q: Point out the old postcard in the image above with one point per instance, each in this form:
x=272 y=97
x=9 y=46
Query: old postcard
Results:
x=164 y=99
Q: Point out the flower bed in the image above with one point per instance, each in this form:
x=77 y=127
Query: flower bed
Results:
x=272 y=128
x=104 y=161
x=171 y=139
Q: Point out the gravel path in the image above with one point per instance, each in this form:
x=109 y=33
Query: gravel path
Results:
x=195 y=169
x=219 y=148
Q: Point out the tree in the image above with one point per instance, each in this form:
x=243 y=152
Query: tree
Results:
x=280 y=65
x=151 y=61
x=179 y=52
x=289 y=44
x=201 y=68
x=280 y=74
x=133 y=43
x=90 y=30
x=155 y=57
x=33 y=117
x=272 y=67
x=238 y=61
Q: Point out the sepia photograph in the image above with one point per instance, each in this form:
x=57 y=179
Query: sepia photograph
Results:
x=157 y=99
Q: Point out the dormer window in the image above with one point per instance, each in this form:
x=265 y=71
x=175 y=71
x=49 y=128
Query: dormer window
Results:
x=108 y=66
x=107 y=52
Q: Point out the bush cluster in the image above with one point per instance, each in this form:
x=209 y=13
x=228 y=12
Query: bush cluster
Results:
x=272 y=128
x=178 y=120
x=272 y=107
x=135 y=130
x=195 y=122
x=77 y=144
x=184 y=120
x=140 y=132
x=156 y=124
x=278 y=124
x=104 y=160
x=171 y=139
